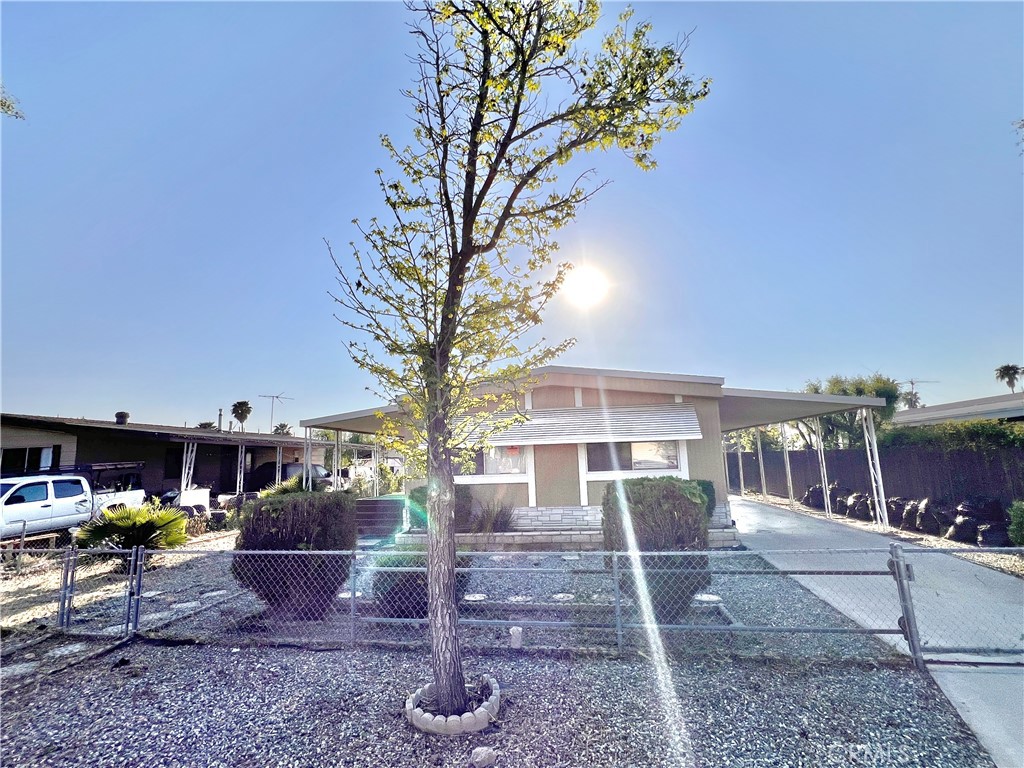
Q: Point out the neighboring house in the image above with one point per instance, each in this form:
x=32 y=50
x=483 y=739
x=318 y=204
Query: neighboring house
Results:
x=33 y=443
x=588 y=427
x=1009 y=407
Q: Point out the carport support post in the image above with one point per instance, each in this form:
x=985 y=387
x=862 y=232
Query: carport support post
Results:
x=785 y=457
x=307 y=460
x=760 y=464
x=336 y=464
x=373 y=466
x=725 y=461
x=821 y=464
x=277 y=465
x=875 y=467
x=240 y=476
x=739 y=460
x=188 y=464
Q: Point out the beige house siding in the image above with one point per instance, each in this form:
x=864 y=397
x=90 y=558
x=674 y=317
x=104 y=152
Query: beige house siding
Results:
x=614 y=398
x=23 y=437
x=507 y=494
x=553 y=397
x=705 y=456
x=595 y=491
x=558 y=475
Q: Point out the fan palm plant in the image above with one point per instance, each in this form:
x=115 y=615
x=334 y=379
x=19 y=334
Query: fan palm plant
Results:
x=1009 y=374
x=151 y=526
x=283 y=429
x=241 y=410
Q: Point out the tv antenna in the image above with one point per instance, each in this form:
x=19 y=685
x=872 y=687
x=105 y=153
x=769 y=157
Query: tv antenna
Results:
x=274 y=399
x=914 y=382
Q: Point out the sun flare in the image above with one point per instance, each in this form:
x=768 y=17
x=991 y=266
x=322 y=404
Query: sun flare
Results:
x=585 y=286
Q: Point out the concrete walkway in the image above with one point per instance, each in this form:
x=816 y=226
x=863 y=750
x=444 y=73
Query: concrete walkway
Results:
x=957 y=604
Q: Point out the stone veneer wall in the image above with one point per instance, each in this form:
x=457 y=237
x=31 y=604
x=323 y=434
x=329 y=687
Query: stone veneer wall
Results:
x=556 y=518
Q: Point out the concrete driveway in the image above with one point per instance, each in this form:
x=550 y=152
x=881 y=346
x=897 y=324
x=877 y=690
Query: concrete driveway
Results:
x=957 y=603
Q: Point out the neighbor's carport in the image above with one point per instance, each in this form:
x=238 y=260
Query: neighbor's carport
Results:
x=755 y=409
x=361 y=422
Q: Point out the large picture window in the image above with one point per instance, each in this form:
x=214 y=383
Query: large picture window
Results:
x=500 y=460
x=632 y=457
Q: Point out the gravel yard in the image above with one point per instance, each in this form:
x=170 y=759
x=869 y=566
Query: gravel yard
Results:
x=215 y=706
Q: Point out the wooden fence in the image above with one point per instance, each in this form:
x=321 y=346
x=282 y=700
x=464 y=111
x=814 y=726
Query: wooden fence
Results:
x=908 y=471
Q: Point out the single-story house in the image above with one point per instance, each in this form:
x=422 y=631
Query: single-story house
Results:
x=1008 y=407
x=587 y=427
x=45 y=443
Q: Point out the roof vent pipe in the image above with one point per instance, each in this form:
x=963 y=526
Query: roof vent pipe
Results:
x=121 y=417
x=220 y=419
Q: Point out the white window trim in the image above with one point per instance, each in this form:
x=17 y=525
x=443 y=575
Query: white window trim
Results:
x=528 y=477
x=628 y=474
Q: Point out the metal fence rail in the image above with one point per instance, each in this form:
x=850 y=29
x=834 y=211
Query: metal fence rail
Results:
x=857 y=602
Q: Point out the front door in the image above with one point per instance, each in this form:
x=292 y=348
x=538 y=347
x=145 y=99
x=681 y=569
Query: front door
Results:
x=557 y=474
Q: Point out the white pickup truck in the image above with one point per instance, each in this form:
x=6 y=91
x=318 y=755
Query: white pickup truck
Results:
x=42 y=503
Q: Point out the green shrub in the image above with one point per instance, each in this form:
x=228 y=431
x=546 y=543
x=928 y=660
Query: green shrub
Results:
x=494 y=517
x=982 y=436
x=151 y=526
x=668 y=515
x=708 y=489
x=301 y=585
x=463 y=507
x=1016 y=529
x=403 y=594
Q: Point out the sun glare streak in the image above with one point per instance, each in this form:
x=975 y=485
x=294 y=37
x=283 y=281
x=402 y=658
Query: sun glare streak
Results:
x=672 y=709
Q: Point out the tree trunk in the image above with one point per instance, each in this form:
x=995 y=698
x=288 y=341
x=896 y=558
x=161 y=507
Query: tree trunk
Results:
x=443 y=615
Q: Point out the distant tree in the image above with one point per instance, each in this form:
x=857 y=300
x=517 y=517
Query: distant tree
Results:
x=746 y=439
x=1009 y=374
x=9 y=105
x=283 y=429
x=843 y=430
x=241 y=410
x=206 y=425
x=1019 y=127
x=506 y=96
x=910 y=399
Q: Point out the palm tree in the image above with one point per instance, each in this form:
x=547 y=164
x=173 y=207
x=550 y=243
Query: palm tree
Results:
x=206 y=425
x=1009 y=373
x=241 y=411
x=283 y=429
x=910 y=399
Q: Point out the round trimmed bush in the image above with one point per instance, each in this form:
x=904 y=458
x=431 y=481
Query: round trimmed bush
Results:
x=321 y=530
x=403 y=594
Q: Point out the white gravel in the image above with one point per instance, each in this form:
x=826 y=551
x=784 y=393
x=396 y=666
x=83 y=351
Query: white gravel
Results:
x=209 y=706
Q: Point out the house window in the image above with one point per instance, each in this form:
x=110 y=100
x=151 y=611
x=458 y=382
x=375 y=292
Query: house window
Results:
x=499 y=460
x=29 y=460
x=632 y=457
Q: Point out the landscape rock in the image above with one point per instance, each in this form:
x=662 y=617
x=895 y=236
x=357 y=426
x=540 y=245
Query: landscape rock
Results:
x=895 y=506
x=984 y=509
x=934 y=518
x=909 y=522
x=814 y=497
x=482 y=757
x=963 y=530
x=994 y=535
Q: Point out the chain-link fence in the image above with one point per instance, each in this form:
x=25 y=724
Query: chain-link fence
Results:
x=812 y=603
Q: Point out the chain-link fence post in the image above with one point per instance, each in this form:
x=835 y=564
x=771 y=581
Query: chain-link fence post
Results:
x=129 y=589
x=62 y=599
x=352 y=598
x=140 y=568
x=69 y=602
x=908 y=621
x=618 y=601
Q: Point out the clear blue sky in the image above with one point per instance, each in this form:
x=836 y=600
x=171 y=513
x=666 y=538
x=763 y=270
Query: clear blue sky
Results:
x=848 y=199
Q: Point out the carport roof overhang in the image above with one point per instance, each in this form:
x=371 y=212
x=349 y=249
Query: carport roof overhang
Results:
x=738 y=409
x=745 y=408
